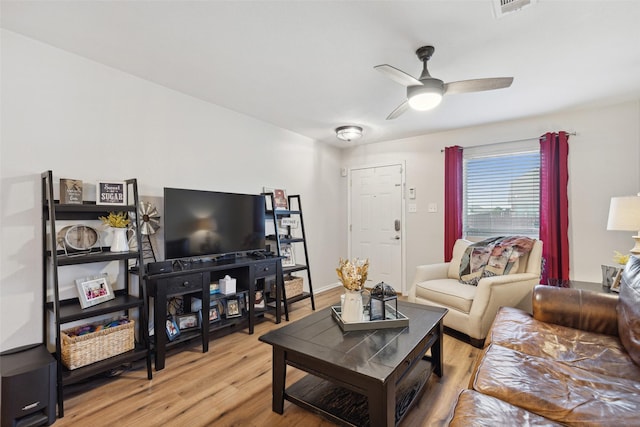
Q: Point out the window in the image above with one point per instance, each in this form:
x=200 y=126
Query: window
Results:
x=501 y=194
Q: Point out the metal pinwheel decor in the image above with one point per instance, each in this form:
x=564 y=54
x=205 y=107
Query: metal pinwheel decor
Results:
x=148 y=219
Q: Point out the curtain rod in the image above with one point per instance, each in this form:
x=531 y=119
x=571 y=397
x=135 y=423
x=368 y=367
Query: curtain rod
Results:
x=515 y=140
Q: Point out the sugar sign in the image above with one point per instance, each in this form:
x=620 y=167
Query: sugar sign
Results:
x=111 y=193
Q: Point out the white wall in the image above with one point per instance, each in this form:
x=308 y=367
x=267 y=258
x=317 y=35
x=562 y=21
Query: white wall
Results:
x=87 y=121
x=604 y=161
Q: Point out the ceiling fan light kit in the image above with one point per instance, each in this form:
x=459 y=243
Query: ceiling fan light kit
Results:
x=349 y=133
x=426 y=92
x=426 y=96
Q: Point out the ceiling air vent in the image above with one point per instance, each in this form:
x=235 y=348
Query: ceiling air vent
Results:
x=505 y=7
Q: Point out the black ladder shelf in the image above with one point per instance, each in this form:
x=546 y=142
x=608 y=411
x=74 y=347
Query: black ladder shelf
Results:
x=59 y=311
x=285 y=241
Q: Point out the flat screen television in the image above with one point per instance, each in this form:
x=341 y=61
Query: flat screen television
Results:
x=209 y=223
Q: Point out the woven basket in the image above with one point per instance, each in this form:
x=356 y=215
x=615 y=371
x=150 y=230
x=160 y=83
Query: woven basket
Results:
x=82 y=350
x=293 y=287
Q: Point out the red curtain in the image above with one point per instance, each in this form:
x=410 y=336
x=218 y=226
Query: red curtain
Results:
x=452 y=198
x=554 y=205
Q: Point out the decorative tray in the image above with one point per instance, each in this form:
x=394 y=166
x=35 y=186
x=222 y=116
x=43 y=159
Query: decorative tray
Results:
x=394 y=319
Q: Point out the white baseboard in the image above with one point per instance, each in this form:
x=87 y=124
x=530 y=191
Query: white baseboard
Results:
x=327 y=288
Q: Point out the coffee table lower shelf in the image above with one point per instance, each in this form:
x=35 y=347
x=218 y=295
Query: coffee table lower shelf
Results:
x=348 y=408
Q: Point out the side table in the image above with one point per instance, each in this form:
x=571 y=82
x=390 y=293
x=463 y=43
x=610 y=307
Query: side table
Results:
x=589 y=286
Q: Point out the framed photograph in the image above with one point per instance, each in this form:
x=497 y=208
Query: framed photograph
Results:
x=111 y=193
x=280 y=199
x=214 y=314
x=233 y=308
x=288 y=259
x=172 y=329
x=187 y=321
x=94 y=290
x=259 y=301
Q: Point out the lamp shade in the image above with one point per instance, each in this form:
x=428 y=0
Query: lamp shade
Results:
x=624 y=215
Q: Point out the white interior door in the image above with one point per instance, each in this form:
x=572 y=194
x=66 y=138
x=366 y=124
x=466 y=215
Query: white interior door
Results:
x=376 y=222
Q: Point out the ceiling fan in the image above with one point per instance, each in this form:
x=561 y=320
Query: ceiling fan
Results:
x=426 y=92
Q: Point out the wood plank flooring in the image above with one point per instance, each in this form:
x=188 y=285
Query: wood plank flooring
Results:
x=231 y=386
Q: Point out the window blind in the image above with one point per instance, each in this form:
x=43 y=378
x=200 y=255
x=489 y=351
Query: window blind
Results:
x=501 y=193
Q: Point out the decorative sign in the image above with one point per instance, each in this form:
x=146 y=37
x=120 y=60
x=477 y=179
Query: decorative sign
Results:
x=70 y=191
x=289 y=222
x=111 y=193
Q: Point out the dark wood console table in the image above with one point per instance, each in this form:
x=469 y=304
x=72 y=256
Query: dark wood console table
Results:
x=193 y=280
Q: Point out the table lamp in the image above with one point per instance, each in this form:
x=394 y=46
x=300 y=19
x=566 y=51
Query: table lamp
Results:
x=624 y=215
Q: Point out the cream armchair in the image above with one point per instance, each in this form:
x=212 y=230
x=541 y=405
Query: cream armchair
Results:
x=473 y=308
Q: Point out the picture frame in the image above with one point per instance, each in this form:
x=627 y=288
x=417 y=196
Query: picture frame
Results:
x=615 y=286
x=172 y=329
x=94 y=290
x=280 y=199
x=259 y=301
x=233 y=308
x=214 y=314
x=111 y=193
x=289 y=259
x=187 y=321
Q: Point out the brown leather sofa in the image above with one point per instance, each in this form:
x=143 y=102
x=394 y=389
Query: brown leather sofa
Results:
x=575 y=361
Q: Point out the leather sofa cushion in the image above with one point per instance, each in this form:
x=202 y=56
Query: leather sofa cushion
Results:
x=629 y=308
x=599 y=353
x=557 y=391
x=476 y=409
x=448 y=292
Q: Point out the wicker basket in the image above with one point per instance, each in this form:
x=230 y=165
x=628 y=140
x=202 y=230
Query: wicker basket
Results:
x=293 y=287
x=82 y=350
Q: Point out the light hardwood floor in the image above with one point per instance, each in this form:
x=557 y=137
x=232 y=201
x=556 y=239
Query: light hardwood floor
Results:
x=231 y=386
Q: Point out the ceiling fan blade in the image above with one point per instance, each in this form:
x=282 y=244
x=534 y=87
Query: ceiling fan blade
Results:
x=397 y=76
x=399 y=110
x=477 y=85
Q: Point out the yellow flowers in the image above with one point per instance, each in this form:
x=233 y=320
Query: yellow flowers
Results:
x=353 y=274
x=116 y=220
x=620 y=258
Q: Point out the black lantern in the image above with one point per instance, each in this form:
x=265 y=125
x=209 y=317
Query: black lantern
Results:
x=381 y=294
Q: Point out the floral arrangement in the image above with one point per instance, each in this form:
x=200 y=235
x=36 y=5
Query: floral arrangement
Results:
x=620 y=258
x=353 y=274
x=116 y=220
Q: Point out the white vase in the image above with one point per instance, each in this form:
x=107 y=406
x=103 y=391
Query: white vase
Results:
x=119 y=242
x=352 y=308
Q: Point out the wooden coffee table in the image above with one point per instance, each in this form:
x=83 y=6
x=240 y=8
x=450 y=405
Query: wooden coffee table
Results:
x=358 y=378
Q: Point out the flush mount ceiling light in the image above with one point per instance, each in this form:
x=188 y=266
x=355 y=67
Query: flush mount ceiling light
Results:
x=349 y=133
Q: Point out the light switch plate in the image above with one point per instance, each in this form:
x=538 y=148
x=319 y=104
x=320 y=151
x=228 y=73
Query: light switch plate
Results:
x=432 y=207
x=413 y=208
x=412 y=192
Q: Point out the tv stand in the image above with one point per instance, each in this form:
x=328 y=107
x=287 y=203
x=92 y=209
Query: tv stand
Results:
x=226 y=258
x=193 y=282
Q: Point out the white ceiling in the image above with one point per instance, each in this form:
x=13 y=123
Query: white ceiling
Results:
x=307 y=66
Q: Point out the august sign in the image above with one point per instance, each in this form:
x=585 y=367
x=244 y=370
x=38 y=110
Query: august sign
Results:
x=111 y=193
